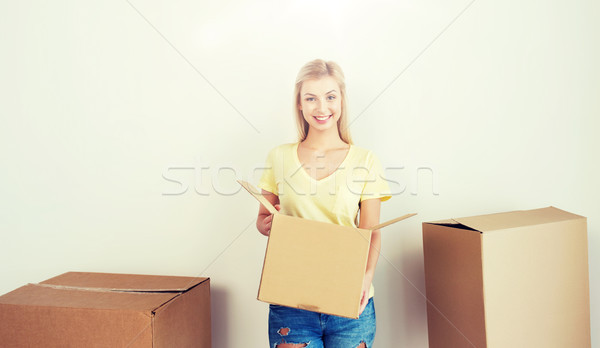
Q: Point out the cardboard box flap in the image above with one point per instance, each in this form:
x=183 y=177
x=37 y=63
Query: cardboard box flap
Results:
x=392 y=221
x=144 y=293
x=258 y=195
x=443 y=222
x=49 y=296
x=451 y=223
x=123 y=282
x=519 y=218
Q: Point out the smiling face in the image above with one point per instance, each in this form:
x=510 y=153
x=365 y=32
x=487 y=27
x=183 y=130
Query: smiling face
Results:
x=321 y=103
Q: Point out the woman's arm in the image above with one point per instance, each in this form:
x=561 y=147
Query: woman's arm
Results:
x=369 y=216
x=263 y=222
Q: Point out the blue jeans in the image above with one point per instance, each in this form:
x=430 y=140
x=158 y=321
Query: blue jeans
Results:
x=316 y=330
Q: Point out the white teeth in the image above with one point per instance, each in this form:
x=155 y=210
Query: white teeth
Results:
x=321 y=118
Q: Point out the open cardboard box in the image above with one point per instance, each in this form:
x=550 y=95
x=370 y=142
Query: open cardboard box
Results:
x=80 y=309
x=314 y=265
x=515 y=279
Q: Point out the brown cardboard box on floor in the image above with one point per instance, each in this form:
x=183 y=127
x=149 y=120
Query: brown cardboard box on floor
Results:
x=314 y=265
x=79 y=309
x=516 y=279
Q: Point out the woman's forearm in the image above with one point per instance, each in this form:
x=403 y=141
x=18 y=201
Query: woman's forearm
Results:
x=373 y=254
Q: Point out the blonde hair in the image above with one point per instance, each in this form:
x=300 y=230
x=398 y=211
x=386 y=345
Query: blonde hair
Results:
x=317 y=69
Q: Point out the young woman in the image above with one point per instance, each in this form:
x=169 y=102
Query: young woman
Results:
x=324 y=177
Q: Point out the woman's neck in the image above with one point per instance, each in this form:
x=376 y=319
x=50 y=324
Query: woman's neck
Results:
x=324 y=140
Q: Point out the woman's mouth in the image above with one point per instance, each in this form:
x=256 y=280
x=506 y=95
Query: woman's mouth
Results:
x=322 y=119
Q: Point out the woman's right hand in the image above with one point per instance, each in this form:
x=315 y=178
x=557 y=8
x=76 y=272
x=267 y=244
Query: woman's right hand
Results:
x=264 y=226
x=263 y=221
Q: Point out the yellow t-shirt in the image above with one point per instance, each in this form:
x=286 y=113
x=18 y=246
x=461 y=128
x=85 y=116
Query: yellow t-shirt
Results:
x=332 y=199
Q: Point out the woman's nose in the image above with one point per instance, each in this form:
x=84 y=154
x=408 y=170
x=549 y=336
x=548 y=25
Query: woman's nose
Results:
x=321 y=107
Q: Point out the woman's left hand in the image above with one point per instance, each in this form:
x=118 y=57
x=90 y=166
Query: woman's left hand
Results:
x=364 y=298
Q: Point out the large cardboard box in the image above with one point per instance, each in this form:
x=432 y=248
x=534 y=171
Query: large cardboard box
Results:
x=314 y=265
x=516 y=279
x=78 y=309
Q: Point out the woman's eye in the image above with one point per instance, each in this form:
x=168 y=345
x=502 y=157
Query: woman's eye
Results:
x=331 y=97
x=310 y=99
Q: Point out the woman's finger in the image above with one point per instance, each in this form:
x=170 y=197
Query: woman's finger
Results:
x=364 y=300
x=268 y=219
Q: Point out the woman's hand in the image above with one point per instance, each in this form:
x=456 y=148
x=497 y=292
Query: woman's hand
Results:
x=366 y=288
x=264 y=226
x=263 y=221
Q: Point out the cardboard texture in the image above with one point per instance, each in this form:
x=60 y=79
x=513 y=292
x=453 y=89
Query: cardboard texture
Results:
x=79 y=309
x=314 y=265
x=516 y=279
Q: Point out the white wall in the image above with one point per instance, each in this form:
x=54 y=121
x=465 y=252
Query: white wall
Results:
x=101 y=100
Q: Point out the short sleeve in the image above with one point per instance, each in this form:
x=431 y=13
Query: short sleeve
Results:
x=375 y=185
x=267 y=180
